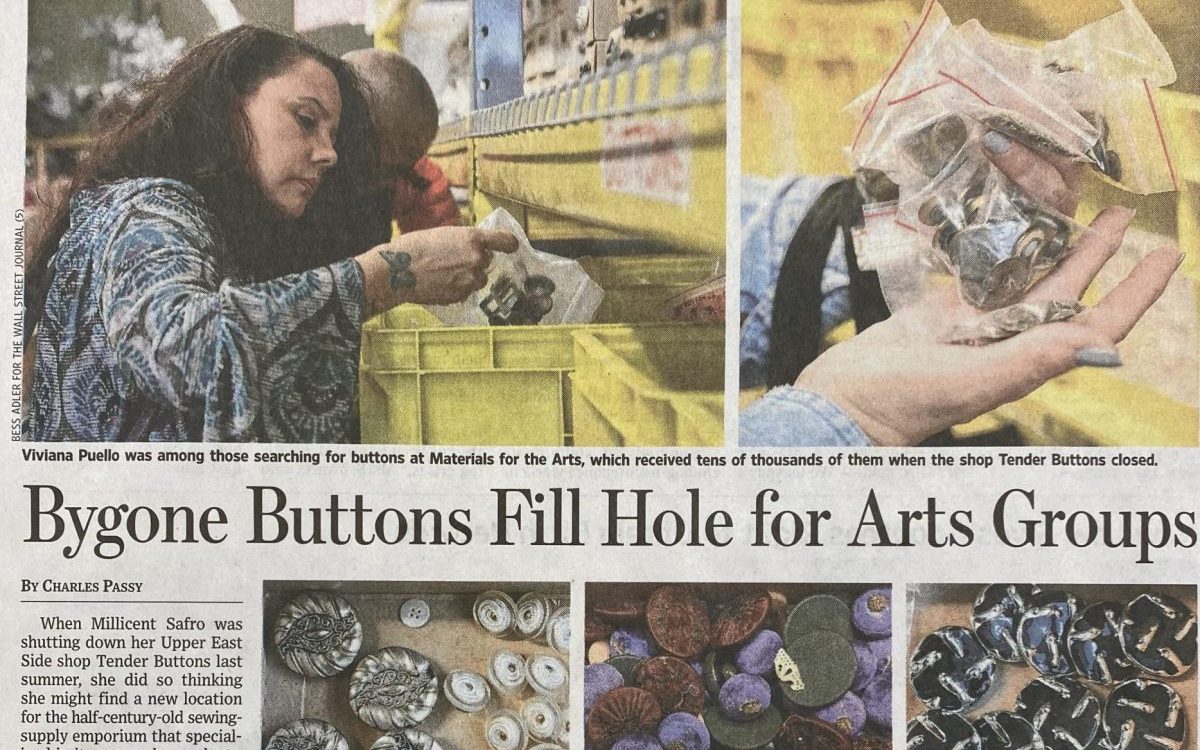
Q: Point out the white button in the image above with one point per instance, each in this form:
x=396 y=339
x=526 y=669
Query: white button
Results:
x=414 y=613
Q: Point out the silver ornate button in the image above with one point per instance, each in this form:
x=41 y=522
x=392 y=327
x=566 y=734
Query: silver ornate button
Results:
x=318 y=634
x=394 y=688
x=308 y=734
x=409 y=739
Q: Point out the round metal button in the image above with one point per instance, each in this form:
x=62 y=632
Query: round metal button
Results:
x=1064 y=712
x=318 y=634
x=1158 y=633
x=414 y=613
x=1002 y=730
x=393 y=688
x=1144 y=715
x=942 y=730
x=409 y=739
x=1042 y=632
x=308 y=734
x=950 y=669
x=1094 y=643
x=998 y=609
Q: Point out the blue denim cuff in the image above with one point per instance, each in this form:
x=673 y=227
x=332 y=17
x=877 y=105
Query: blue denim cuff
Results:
x=787 y=417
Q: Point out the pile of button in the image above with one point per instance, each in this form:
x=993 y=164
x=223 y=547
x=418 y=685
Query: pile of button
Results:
x=395 y=689
x=692 y=667
x=1070 y=647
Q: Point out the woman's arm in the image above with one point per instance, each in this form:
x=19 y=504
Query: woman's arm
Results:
x=275 y=360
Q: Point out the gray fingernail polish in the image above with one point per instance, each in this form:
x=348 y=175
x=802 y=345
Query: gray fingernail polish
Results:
x=1097 y=357
x=996 y=142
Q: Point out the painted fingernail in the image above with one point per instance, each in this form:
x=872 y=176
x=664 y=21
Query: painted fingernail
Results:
x=1097 y=357
x=996 y=142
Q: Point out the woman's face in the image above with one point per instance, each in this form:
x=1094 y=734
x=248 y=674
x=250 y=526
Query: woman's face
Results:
x=293 y=119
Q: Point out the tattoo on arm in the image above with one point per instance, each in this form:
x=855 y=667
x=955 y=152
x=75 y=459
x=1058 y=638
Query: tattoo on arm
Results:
x=398 y=265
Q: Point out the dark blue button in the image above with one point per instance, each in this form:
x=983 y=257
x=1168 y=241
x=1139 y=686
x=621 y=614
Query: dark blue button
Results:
x=951 y=670
x=1094 y=643
x=998 y=609
x=1064 y=712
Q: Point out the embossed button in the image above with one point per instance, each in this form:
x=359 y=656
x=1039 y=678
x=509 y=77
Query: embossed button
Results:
x=942 y=730
x=1144 y=715
x=673 y=682
x=1094 y=643
x=678 y=620
x=626 y=710
x=598 y=679
x=1159 y=634
x=950 y=669
x=737 y=618
x=807 y=733
x=308 y=734
x=318 y=634
x=1064 y=712
x=393 y=688
x=997 y=611
x=409 y=739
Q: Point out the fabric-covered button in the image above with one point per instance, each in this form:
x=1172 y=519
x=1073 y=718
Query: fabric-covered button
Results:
x=744 y=697
x=626 y=710
x=673 y=682
x=737 y=618
x=393 y=688
x=308 y=734
x=815 y=669
x=871 y=614
x=742 y=735
x=678 y=620
x=818 y=612
x=846 y=713
x=950 y=669
x=318 y=634
x=598 y=679
x=409 y=739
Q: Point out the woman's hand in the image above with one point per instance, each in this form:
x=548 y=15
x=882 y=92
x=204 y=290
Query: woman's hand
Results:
x=432 y=267
x=901 y=385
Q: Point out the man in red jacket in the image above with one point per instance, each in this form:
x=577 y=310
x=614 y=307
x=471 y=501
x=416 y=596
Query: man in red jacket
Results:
x=405 y=117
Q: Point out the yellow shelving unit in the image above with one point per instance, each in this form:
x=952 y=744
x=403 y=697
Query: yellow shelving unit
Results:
x=633 y=154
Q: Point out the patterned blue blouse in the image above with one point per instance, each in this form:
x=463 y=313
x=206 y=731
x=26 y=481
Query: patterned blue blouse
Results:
x=148 y=335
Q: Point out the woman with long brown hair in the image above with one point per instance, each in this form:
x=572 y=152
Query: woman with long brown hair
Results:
x=206 y=279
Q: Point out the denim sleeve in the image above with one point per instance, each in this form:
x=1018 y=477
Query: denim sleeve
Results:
x=275 y=360
x=790 y=417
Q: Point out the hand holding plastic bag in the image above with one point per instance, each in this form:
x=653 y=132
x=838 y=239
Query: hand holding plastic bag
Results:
x=527 y=287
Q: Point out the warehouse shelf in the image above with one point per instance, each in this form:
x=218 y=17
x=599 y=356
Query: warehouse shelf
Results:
x=638 y=148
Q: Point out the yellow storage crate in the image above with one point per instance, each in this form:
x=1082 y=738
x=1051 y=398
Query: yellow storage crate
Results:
x=660 y=385
x=637 y=287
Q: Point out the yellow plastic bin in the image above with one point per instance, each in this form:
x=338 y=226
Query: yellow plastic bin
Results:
x=650 y=386
x=424 y=383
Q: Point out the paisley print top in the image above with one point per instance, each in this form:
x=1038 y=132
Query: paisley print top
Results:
x=149 y=335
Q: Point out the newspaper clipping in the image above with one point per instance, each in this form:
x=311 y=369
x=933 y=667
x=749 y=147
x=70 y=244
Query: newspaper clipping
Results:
x=373 y=384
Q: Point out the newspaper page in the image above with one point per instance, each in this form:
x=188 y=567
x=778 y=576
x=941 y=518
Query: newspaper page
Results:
x=373 y=384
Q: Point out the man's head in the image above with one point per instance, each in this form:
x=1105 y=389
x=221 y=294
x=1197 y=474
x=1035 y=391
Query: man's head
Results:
x=402 y=107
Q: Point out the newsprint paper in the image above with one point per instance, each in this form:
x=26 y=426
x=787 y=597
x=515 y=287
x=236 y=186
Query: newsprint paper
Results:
x=237 y=516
